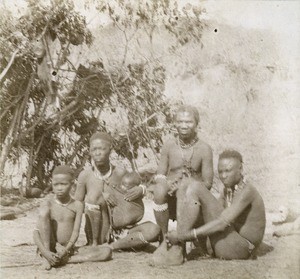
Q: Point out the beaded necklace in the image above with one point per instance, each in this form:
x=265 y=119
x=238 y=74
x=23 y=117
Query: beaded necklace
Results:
x=187 y=163
x=98 y=173
x=63 y=204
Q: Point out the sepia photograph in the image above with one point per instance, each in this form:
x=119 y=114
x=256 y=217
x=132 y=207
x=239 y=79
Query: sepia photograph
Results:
x=150 y=139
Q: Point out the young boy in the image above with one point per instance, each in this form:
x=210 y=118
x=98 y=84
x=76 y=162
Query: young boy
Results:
x=59 y=223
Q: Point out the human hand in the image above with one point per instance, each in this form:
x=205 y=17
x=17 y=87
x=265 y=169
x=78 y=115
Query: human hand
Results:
x=173 y=188
x=133 y=193
x=110 y=199
x=62 y=252
x=172 y=237
x=52 y=258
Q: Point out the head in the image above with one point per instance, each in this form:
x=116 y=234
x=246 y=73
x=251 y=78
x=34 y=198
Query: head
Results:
x=100 y=148
x=130 y=180
x=62 y=181
x=186 y=121
x=230 y=168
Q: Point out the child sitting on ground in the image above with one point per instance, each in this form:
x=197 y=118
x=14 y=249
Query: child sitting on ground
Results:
x=59 y=223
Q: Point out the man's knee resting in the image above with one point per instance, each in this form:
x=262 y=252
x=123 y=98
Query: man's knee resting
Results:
x=160 y=193
x=193 y=191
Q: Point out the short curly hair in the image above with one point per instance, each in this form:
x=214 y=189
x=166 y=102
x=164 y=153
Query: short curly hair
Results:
x=190 y=109
x=230 y=153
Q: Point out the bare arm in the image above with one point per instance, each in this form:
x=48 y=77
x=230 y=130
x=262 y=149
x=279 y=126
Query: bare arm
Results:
x=81 y=187
x=207 y=167
x=42 y=234
x=164 y=160
x=227 y=216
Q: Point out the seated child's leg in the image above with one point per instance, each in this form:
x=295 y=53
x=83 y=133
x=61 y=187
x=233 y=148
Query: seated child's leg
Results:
x=105 y=226
x=138 y=236
x=94 y=215
x=149 y=230
x=48 y=255
x=88 y=230
x=92 y=254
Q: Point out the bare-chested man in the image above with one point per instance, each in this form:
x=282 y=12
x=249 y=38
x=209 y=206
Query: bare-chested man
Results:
x=59 y=225
x=184 y=158
x=235 y=225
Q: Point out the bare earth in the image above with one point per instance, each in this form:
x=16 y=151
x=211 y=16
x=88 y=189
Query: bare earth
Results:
x=277 y=258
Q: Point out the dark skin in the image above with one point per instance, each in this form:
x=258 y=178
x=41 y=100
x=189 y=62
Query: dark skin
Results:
x=59 y=223
x=172 y=161
x=129 y=213
x=230 y=227
x=91 y=190
x=125 y=213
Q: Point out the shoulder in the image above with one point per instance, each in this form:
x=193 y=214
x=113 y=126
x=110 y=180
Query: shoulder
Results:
x=204 y=147
x=85 y=173
x=251 y=190
x=169 y=141
x=249 y=193
x=45 y=206
x=78 y=204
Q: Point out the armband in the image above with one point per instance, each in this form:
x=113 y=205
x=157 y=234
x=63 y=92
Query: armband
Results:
x=144 y=189
x=160 y=176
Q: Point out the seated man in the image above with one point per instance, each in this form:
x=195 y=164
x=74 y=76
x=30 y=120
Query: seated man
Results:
x=236 y=225
x=124 y=216
x=59 y=224
x=184 y=159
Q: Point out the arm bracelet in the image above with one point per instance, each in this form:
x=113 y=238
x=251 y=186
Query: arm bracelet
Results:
x=144 y=189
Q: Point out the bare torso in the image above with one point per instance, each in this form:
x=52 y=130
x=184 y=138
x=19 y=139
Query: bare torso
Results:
x=93 y=188
x=62 y=220
x=178 y=161
x=250 y=222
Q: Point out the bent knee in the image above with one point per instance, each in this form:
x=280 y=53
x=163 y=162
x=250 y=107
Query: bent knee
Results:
x=160 y=193
x=152 y=232
x=194 y=189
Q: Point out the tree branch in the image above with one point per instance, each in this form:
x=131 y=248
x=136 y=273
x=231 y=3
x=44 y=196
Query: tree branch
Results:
x=4 y=72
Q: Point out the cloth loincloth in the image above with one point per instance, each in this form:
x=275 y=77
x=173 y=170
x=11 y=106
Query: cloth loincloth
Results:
x=92 y=207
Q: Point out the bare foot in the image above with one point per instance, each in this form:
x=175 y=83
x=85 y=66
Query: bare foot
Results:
x=168 y=255
x=46 y=265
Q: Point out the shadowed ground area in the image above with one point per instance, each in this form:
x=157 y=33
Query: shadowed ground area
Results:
x=277 y=258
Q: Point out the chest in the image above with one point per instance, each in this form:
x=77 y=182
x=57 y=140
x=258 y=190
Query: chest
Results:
x=62 y=214
x=190 y=157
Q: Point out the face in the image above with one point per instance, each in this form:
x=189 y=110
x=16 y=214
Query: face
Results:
x=62 y=184
x=230 y=171
x=100 y=151
x=185 y=124
x=127 y=183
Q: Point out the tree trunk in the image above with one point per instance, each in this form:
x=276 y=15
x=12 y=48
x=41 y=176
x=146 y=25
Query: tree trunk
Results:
x=8 y=141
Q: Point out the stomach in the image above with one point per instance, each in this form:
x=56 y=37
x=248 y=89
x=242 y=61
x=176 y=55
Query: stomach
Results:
x=63 y=232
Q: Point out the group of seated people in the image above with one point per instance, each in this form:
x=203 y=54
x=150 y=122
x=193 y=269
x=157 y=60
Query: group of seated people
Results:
x=111 y=199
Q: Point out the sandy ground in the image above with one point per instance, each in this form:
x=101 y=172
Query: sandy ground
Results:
x=277 y=258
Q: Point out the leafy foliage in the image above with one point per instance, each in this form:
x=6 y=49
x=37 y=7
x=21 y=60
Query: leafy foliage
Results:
x=50 y=106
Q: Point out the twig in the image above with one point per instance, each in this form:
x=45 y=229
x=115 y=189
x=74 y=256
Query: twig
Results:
x=4 y=72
